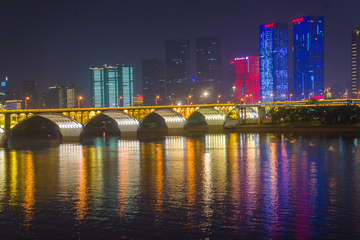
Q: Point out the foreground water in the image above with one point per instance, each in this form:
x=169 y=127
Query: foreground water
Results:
x=259 y=186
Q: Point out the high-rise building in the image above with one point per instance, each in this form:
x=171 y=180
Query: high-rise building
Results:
x=153 y=74
x=44 y=100
x=112 y=86
x=126 y=85
x=274 y=75
x=208 y=68
x=30 y=94
x=57 y=96
x=247 y=79
x=355 y=63
x=97 y=87
x=308 y=47
x=177 y=60
x=73 y=95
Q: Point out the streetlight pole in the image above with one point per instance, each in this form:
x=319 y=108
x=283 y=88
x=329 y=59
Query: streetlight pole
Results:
x=27 y=98
x=79 y=99
x=205 y=93
x=120 y=97
x=217 y=100
x=157 y=97
x=189 y=99
x=290 y=97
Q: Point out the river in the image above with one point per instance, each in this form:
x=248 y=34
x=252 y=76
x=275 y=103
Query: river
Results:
x=214 y=186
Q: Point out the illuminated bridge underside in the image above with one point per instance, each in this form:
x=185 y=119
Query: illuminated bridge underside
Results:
x=126 y=123
x=212 y=116
x=232 y=119
x=68 y=127
x=172 y=118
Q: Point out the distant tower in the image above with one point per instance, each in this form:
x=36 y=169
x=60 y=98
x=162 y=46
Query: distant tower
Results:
x=153 y=74
x=208 y=68
x=308 y=42
x=274 y=73
x=177 y=60
x=247 y=79
x=97 y=94
x=355 y=63
x=30 y=91
x=126 y=76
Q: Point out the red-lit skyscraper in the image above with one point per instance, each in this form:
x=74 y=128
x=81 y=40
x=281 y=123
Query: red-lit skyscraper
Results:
x=247 y=79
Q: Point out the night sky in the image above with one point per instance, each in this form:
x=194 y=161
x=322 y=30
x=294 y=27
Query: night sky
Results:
x=57 y=41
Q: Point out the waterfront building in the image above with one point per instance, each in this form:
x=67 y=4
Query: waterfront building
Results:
x=57 y=96
x=30 y=94
x=308 y=48
x=274 y=76
x=355 y=63
x=112 y=86
x=177 y=61
x=247 y=79
x=153 y=75
x=13 y=104
x=73 y=96
x=208 y=68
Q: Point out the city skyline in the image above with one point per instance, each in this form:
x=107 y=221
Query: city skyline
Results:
x=61 y=38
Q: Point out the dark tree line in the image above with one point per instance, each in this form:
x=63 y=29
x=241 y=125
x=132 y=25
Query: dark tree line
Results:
x=340 y=115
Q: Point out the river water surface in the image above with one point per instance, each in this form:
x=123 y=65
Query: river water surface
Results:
x=215 y=186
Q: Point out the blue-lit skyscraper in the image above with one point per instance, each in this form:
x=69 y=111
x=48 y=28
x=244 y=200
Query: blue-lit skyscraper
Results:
x=308 y=47
x=126 y=85
x=274 y=77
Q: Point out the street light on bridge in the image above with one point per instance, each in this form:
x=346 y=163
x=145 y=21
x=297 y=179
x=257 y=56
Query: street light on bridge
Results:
x=205 y=93
x=234 y=92
x=79 y=99
x=189 y=99
x=157 y=97
x=27 y=98
x=120 y=97
x=217 y=100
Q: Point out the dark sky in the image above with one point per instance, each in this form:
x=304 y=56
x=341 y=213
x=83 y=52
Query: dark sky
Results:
x=57 y=41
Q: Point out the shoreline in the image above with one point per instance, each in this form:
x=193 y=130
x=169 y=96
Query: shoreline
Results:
x=295 y=128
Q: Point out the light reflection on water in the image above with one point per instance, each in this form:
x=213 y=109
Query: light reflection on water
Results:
x=216 y=185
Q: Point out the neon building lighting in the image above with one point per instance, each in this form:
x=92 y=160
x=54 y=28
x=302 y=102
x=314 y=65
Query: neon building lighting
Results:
x=247 y=79
x=274 y=77
x=308 y=42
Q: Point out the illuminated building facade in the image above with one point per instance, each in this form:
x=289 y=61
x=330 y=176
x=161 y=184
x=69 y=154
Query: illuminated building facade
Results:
x=274 y=76
x=30 y=91
x=177 y=61
x=112 y=86
x=355 y=63
x=308 y=48
x=247 y=79
x=153 y=73
x=73 y=94
x=208 y=68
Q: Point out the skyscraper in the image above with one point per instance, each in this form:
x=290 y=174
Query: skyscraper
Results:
x=308 y=44
x=153 y=74
x=177 y=60
x=247 y=79
x=30 y=92
x=208 y=68
x=274 y=76
x=112 y=86
x=73 y=95
x=355 y=63
x=97 y=87
x=57 y=96
x=126 y=89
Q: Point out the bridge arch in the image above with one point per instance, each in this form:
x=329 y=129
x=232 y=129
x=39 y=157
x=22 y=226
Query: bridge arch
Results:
x=232 y=118
x=49 y=124
x=206 y=117
x=112 y=122
x=163 y=119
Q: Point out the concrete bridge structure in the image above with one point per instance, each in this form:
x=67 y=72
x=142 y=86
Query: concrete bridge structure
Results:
x=129 y=119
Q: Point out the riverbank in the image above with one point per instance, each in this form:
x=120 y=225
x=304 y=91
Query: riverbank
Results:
x=295 y=128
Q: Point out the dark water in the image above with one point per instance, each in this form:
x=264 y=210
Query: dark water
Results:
x=215 y=186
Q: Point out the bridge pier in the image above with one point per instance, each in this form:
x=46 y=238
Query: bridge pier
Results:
x=259 y=115
x=5 y=134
